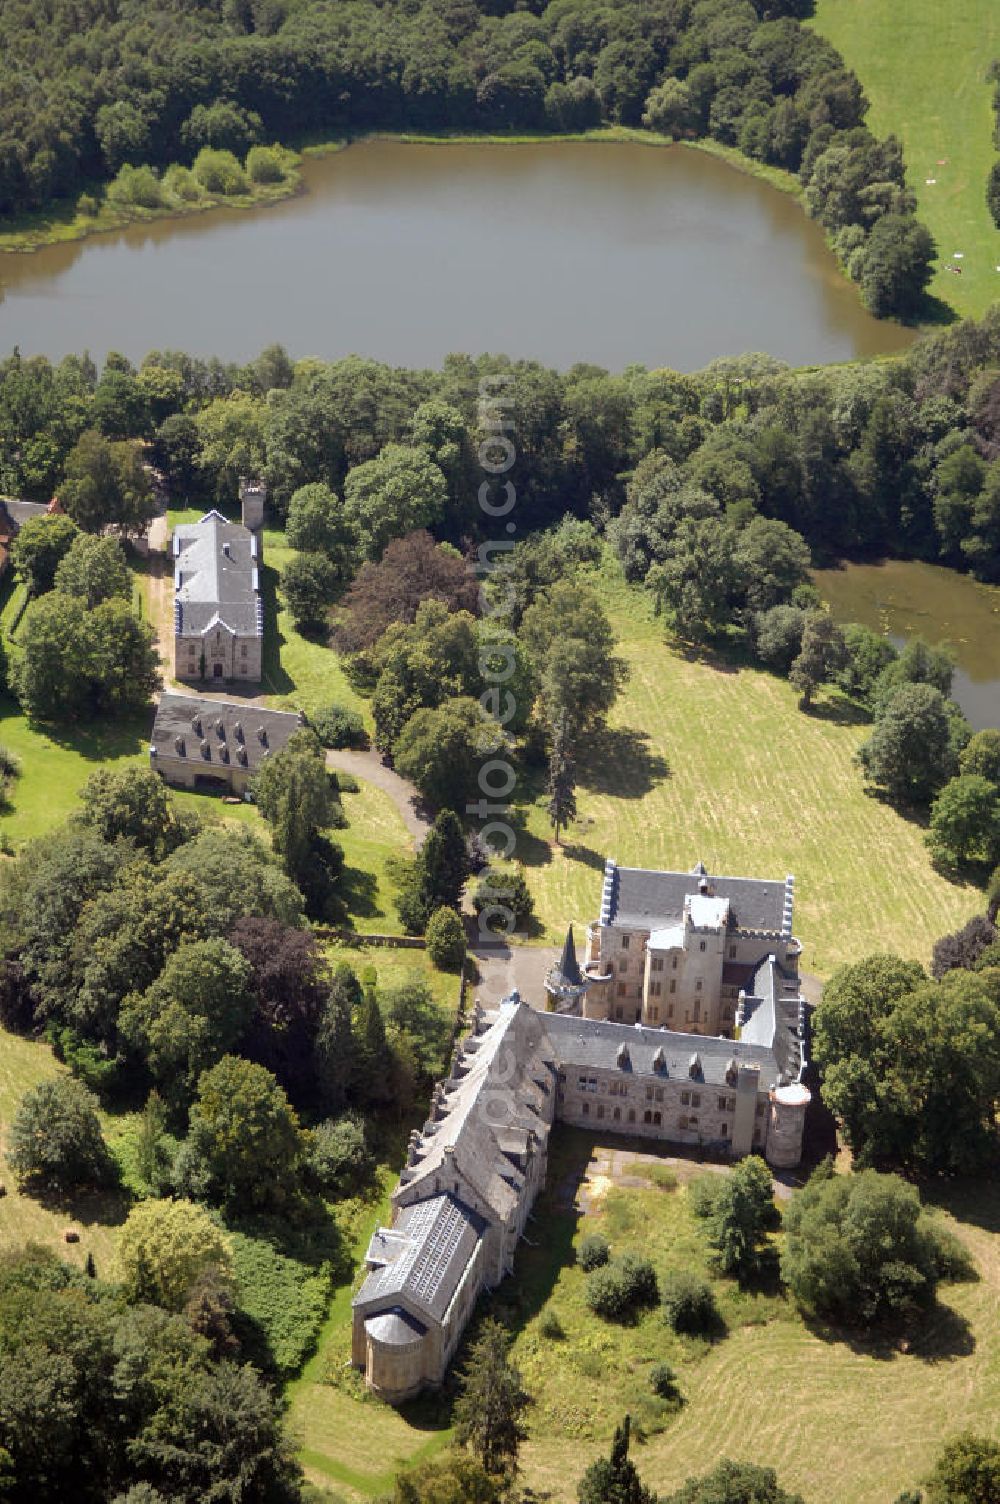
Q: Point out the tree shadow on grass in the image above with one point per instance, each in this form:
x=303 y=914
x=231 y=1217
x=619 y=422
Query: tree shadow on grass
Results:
x=275 y=678
x=87 y=1208
x=100 y=740
x=838 y=710
x=357 y=898
x=621 y=761
x=941 y=1336
x=976 y=1202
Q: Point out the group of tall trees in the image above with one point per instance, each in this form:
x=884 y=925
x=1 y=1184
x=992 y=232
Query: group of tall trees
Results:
x=900 y=458
x=94 y=90
x=168 y=959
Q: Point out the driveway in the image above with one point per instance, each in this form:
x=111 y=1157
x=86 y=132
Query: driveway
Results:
x=370 y=767
x=502 y=968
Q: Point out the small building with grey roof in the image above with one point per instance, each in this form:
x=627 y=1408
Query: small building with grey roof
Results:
x=220 y=744
x=218 y=610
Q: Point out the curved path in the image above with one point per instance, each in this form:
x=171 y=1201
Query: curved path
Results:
x=370 y=767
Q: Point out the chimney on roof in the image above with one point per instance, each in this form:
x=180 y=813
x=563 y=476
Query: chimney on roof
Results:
x=196 y=724
x=732 y=1072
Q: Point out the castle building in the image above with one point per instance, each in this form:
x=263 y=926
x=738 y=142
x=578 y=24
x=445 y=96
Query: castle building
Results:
x=679 y=948
x=218 y=611
x=473 y=1172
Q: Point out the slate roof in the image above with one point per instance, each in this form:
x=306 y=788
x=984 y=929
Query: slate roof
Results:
x=216 y=577
x=486 y=1114
x=643 y=899
x=774 y=1015
x=581 y=1044
x=432 y=1244
x=229 y=734
x=14 y=514
x=395 y=1328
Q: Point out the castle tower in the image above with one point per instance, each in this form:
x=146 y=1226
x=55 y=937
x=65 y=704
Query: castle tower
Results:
x=565 y=983
x=253 y=495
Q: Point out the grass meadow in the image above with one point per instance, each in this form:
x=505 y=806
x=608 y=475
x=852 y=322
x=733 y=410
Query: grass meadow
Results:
x=704 y=759
x=923 y=66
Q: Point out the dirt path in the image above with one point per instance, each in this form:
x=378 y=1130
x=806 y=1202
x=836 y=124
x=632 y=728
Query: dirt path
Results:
x=370 y=767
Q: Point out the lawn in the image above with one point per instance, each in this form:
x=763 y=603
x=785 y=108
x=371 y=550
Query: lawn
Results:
x=923 y=66
x=299 y=673
x=27 y=1219
x=710 y=761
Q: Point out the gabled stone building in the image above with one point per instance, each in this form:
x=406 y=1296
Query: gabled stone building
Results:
x=218 y=611
x=215 y=744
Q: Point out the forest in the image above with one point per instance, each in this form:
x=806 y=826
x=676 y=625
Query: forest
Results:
x=896 y=458
x=90 y=89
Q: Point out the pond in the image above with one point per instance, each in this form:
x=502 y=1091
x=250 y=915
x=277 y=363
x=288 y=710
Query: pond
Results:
x=563 y=251
x=907 y=600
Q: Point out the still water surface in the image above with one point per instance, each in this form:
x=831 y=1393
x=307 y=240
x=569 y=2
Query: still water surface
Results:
x=611 y=253
x=907 y=600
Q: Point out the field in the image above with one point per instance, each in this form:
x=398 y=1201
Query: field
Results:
x=743 y=1394
x=923 y=66
x=709 y=761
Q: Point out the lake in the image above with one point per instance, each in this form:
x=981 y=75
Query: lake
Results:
x=907 y=600
x=564 y=251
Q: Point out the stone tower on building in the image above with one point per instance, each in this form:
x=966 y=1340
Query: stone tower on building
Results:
x=253 y=496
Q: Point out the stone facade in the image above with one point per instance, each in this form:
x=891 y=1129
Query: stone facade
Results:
x=218 y=612
x=676 y=950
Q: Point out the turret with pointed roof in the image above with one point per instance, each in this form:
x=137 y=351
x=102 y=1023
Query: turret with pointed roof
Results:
x=565 y=983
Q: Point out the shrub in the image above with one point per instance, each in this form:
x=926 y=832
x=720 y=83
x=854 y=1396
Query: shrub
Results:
x=264 y=165
x=689 y=1305
x=87 y=205
x=181 y=184
x=138 y=187
x=446 y=940
x=501 y=893
x=219 y=172
x=338 y=1158
x=551 y=1327
x=663 y=1381
x=618 y=1290
x=593 y=1251
x=703 y=1193
x=338 y=727
x=281 y=1296
x=347 y=783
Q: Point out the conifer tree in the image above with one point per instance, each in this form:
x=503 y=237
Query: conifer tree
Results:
x=615 y=1480
x=373 y=1058
x=489 y=1407
x=562 y=781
